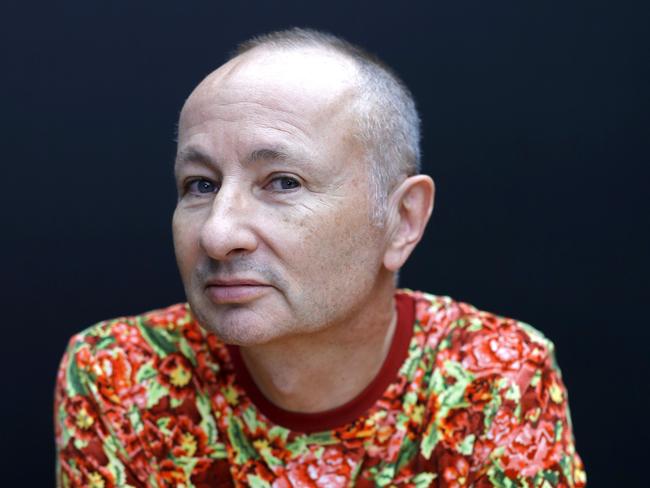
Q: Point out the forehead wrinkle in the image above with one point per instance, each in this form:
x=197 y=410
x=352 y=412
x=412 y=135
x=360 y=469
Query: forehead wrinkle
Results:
x=273 y=153
x=281 y=154
x=269 y=116
x=272 y=114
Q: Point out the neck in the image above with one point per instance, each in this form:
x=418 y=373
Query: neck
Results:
x=325 y=369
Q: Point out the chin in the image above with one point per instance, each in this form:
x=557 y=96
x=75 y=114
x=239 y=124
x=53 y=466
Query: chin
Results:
x=237 y=336
x=235 y=325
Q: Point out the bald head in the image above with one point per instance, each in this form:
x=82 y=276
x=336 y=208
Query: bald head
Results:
x=305 y=69
x=347 y=82
x=315 y=78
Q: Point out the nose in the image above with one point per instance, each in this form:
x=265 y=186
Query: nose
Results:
x=228 y=233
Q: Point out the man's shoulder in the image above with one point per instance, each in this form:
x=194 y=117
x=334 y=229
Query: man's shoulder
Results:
x=498 y=406
x=478 y=339
x=140 y=345
x=156 y=327
x=146 y=360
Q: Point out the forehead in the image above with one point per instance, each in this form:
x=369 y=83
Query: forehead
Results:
x=311 y=84
x=298 y=103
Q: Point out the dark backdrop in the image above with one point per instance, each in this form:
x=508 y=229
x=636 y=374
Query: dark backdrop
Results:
x=536 y=129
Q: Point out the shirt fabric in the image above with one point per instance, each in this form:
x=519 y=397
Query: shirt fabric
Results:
x=463 y=398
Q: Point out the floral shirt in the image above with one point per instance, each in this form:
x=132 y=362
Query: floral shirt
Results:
x=464 y=398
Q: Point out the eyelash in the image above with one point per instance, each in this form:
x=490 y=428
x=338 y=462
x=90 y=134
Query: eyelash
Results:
x=287 y=177
x=189 y=183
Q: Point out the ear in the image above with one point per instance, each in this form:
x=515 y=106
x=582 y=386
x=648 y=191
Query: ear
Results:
x=410 y=207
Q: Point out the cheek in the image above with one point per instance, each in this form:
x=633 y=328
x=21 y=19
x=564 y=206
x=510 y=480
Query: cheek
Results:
x=334 y=242
x=333 y=266
x=185 y=231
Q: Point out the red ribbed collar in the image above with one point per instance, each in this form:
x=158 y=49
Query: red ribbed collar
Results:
x=355 y=408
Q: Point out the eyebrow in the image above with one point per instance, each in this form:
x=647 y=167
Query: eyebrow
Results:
x=268 y=154
x=192 y=154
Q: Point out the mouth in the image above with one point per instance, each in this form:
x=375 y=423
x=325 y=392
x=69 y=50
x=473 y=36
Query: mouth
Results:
x=235 y=291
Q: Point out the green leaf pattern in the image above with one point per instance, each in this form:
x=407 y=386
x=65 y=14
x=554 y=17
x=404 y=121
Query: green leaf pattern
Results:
x=454 y=412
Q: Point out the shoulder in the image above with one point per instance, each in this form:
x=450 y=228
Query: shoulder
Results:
x=481 y=341
x=157 y=333
x=497 y=406
x=478 y=354
x=113 y=358
x=120 y=384
x=137 y=338
x=127 y=329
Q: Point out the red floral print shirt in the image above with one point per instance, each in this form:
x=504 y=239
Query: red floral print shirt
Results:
x=464 y=398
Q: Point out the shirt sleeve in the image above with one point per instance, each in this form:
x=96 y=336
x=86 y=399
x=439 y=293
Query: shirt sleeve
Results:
x=89 y=449
x=529 y=435
x=501 y=410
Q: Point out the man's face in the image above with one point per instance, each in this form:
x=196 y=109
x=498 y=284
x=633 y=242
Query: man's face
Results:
x=271 y=230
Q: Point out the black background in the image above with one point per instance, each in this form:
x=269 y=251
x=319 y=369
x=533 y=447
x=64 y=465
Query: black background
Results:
x=536 y=130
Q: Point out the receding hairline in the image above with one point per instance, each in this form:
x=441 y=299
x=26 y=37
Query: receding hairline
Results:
x=340 y=103
x=351 y=81
x=299 y=38
x=381 y=107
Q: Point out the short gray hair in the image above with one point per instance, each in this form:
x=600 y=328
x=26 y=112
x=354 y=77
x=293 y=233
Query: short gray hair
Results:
x=387 y=120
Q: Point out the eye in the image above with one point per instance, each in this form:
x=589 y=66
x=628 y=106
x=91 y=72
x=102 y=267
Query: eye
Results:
x=200 y=186
x=283 y=183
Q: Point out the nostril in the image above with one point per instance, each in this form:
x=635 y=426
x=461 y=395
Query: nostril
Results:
x=238 y=252
x=223 y=239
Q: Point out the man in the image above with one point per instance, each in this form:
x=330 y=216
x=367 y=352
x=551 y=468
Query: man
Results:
x=296 y=362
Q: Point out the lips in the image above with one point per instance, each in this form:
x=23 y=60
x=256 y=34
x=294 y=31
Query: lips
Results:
x=235 y=290
x=234 y=282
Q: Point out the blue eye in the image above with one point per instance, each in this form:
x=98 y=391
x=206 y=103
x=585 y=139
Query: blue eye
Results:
x=200 y=186
x=284 y=183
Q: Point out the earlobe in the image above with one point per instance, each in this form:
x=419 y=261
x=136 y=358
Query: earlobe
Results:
x=411 y=207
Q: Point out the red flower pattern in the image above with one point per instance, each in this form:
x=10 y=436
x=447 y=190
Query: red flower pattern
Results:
x=154 y=399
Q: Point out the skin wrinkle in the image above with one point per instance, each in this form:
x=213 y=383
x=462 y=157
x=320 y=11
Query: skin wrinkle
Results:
x=293 y=129
x=292 y=117
x=330 y=308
